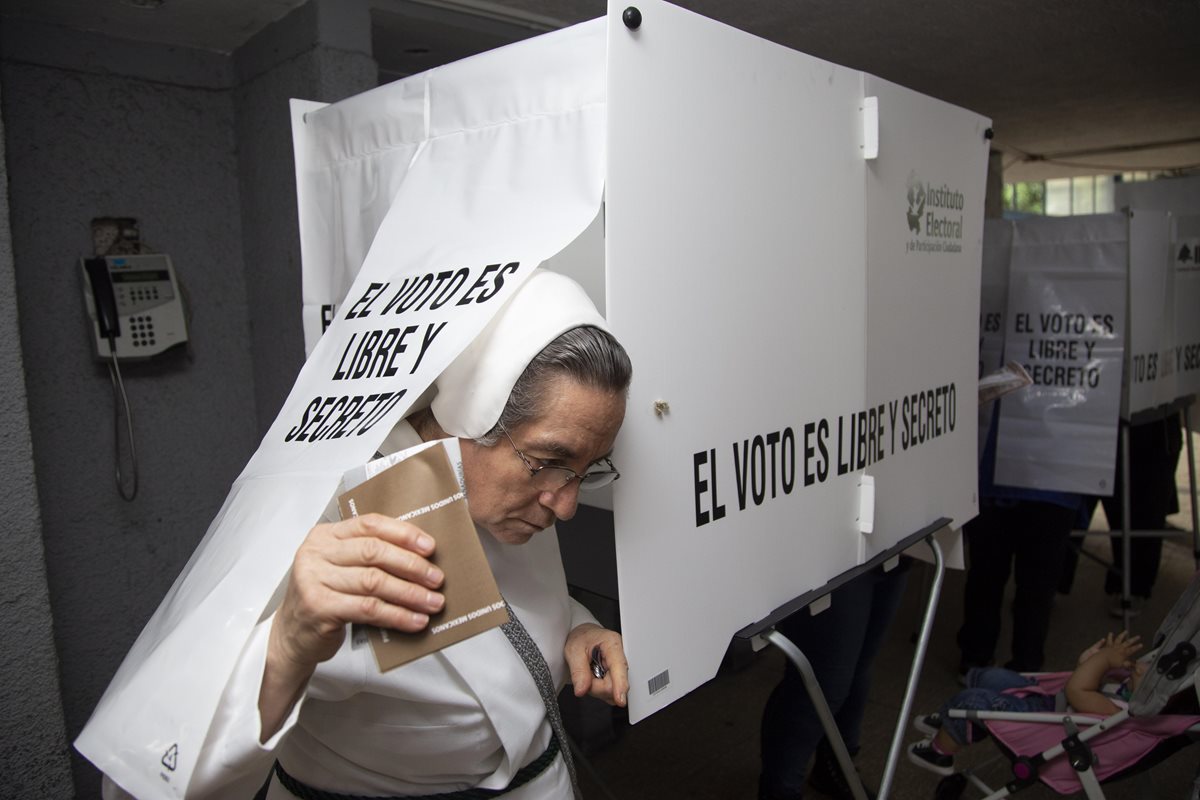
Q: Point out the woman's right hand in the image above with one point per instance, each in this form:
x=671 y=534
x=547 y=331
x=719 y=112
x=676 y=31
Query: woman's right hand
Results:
x=372 y=570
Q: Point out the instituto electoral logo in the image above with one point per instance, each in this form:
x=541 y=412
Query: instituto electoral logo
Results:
x=935 y=217
x=1188 y=256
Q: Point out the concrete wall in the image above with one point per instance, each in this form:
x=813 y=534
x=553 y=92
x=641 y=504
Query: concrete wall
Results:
x=280 y=63
x=197 y=147
x=34 y=756
x=86 y=141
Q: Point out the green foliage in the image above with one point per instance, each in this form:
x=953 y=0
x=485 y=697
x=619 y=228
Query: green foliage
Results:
x=1028 y=197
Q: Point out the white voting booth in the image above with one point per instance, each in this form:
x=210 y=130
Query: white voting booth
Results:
x=788 y=249
x=1162 y=364
x=1101 y=311
x=792 y=311
x=1065 y=321
x=1183 y=272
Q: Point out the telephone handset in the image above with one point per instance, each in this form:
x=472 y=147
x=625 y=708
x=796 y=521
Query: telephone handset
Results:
x=134 y=302
x=103 y=299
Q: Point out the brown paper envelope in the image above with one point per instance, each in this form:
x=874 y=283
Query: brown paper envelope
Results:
x=424 y=489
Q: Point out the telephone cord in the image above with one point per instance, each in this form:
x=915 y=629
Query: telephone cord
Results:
x=120 y=399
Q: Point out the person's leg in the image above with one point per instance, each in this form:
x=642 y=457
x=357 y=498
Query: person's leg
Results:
x=1154 y=449
x=886 y=589
x=1144 y=556
x=989 y=556
x=1112 y=513
x=1144 y=552
x=937 y=753
x=997 y=679
x=1154 y=454
x=957 y=732
x=790 y=727
x=1041 y=531
x=1070 y=566
x=986 y=694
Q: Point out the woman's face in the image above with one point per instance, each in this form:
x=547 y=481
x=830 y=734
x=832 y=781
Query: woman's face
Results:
x=577 y=427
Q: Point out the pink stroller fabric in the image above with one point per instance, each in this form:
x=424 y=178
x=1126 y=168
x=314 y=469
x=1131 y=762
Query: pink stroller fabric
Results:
x=1114 y=750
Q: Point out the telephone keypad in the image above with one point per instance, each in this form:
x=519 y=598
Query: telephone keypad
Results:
x=142 y=330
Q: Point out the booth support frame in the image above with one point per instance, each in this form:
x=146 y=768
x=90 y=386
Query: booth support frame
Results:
x=1181 y=406
x=765 y=631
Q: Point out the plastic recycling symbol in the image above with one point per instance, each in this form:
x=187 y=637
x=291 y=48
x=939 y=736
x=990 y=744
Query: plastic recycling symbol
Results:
x=171 y=757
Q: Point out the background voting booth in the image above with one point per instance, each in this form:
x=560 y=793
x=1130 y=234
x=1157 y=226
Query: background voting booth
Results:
x=1101 y=311
x=789 y=250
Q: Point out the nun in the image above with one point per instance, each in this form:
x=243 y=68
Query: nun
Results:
x=536 y=402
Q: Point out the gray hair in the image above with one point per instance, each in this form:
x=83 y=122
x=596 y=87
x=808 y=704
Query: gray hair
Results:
x=587 y=354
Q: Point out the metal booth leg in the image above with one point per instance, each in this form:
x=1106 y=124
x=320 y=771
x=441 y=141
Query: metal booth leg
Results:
x=1126 y=516
x=829 y=725
x=832 y=734
x=914 y=675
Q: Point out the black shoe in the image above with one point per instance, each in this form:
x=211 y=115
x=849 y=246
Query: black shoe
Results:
x=924 y=756
x=828 y=779
x=928 y=724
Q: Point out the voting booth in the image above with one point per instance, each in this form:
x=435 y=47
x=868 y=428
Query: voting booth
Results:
x=1101 y=311
x=1065 y=321
x=1179 y=360
x=788 y=249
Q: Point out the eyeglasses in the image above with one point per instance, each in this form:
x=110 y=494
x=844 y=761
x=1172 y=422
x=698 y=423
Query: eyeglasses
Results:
x=551 y=477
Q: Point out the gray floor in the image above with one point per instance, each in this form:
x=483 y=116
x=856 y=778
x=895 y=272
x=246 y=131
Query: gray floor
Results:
x=705 y=746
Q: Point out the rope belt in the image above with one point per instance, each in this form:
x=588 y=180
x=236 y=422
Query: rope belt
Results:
x=523 y=776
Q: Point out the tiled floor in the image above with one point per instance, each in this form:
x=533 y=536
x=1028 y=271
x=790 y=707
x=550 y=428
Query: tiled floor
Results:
x=705 y=746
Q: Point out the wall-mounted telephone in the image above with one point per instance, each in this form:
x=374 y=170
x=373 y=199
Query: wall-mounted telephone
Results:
x=135 y=301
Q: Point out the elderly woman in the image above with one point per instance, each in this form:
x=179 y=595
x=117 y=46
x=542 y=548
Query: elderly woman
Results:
x=536 y=401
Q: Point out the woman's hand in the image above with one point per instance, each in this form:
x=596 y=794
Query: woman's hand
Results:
x=372 y=570
x=613 y=688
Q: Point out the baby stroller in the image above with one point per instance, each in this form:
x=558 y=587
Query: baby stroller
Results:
x=1071 y=752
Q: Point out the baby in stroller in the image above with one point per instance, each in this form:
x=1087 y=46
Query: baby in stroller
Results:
x=995 y=689
x=1112 y=716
